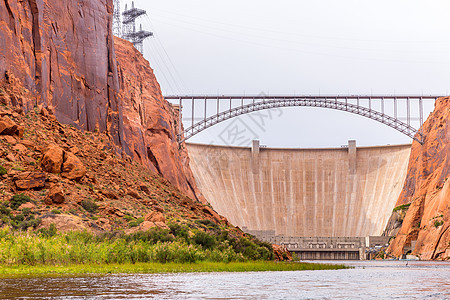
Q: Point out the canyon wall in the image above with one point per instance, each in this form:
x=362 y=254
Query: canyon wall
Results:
x=150 y=123
x=303 y=192
x=62 y=55
x=427 y=192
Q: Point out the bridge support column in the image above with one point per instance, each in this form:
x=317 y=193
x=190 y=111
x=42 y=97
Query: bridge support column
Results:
x=352 y=156
x=255 y=156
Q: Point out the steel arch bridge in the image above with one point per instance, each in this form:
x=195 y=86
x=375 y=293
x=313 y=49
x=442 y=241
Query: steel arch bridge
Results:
x=372 y=107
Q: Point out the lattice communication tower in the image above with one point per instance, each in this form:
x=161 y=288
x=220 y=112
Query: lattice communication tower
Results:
x=129 y=27
x=117 y=24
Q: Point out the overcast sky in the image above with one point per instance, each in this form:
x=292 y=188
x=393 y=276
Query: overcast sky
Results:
x=301 y=47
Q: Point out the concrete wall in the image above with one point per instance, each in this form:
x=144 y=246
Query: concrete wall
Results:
x=345 y=192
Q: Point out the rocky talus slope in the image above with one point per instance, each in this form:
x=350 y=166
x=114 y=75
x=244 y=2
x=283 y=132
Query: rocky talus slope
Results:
x=422 y=216
x=55 y=173
x=61 y=55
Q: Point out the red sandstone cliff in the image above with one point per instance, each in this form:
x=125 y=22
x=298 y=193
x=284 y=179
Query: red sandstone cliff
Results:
x=149 y=121
x=61 y=54
x=427 y=190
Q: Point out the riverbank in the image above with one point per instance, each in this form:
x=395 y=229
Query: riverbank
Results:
x=158 y=268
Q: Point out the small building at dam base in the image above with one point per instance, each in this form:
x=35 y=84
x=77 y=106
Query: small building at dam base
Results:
x=325 y=248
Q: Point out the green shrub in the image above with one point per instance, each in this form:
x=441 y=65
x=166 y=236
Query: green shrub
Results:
x=438 y=223
x=402 y=207
x=4 y=210
x=50 y=232
x=56 y=212
x=136 y=223
x=128 y=218
x=23 y=222
x=89 y=206
x=3 y=171
x=18 y=200
x=208 y=223
x=179 y=231
x=204 y=239
x=152 y=236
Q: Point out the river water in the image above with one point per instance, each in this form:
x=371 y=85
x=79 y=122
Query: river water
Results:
x=368 y=280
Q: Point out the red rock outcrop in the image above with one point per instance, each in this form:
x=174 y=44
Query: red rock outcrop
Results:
x=427 y=190
x=61 y=55
x=150 y=122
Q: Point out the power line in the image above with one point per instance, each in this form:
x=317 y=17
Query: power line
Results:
x=168 y=57
x=166 y=66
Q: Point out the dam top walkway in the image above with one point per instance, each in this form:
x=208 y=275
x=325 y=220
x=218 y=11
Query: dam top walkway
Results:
x=402 y=113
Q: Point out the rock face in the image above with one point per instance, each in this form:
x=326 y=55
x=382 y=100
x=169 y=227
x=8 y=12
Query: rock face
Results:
x=150 y=122
x=427 y=190
x=62 y=52
x=61 y=55
x=30 y=180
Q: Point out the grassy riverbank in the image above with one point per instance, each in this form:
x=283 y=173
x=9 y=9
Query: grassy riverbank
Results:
x=155 y=268
x=155 y=251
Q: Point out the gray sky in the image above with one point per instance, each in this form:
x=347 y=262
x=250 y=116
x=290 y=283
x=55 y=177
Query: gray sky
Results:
x=301 y=47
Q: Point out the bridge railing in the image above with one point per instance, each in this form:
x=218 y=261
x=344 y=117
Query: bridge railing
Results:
x=402 y=113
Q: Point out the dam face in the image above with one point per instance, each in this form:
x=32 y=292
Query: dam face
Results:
x=344 y=192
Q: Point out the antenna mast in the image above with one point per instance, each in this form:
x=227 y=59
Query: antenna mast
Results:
x=117 y=19
x=129 y=27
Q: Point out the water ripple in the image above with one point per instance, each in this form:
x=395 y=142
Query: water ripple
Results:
x=368 y=280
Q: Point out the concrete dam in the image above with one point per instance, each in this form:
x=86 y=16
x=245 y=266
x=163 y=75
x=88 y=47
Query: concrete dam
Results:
x=343 y=192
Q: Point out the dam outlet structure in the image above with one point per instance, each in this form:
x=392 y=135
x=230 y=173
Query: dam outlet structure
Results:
x=287 y=196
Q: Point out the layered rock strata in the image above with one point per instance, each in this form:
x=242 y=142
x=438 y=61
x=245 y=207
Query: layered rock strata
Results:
x=61 y=55
x=425 y=198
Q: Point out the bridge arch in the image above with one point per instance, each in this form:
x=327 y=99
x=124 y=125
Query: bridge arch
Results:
x=336 y=103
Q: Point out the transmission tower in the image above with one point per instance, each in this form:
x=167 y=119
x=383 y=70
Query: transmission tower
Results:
x=129 y=27
x=116 y=19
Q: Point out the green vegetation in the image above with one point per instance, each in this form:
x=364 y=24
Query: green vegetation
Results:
x=438 y=223
x=402 y=207
x=147 y=268
x=89 y=206
x=18 y=200
x=135 y=222
x=18 y=221
x=180 y=245
x=3 y=171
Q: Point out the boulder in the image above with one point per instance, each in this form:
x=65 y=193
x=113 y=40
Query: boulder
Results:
x=146 y=226
x=133 y=193
x=27 y=205
x=155 y=217
x=30 y=180
x=158 y=208
x=9 y=127
x=20 y=148
x=109 y=194
x=143 y=187
x=162 y=225
x=73 y=168
x=281 y=253
x=9 y=139
x=55 y=195
x=52 y=160
x=63 y=223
